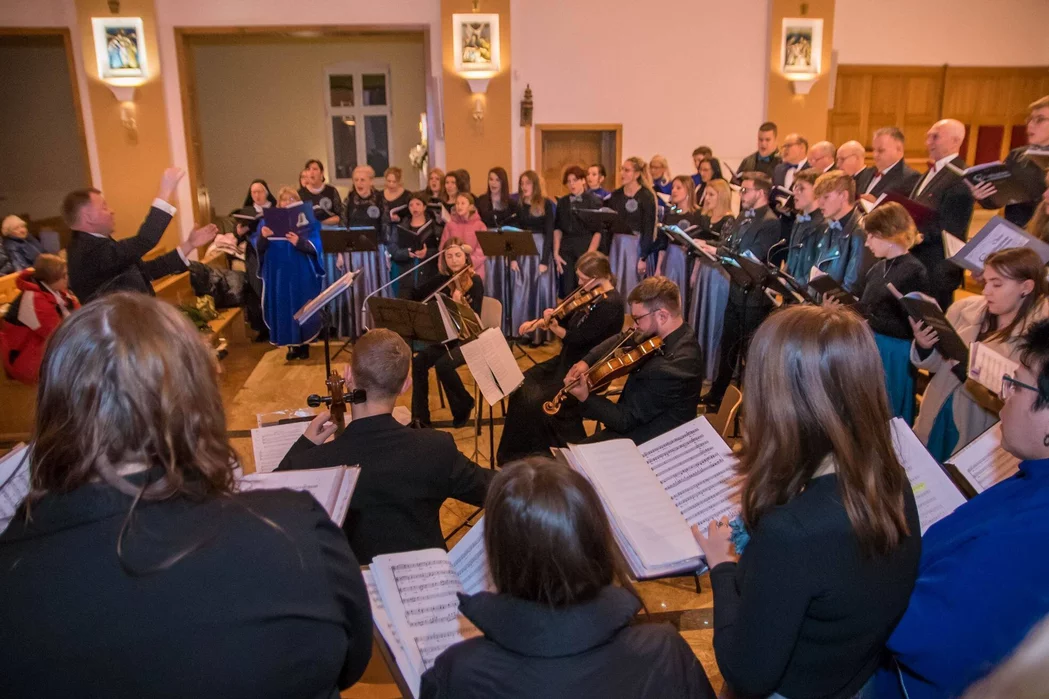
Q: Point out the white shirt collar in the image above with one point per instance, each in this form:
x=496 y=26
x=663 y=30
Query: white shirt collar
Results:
x=943 y=161
x=886 y=169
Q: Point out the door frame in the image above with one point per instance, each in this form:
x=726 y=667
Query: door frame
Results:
x=617 y=128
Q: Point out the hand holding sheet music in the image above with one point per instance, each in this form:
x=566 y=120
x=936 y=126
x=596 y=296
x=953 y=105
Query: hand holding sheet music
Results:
x=987 y=367
x=998 y=234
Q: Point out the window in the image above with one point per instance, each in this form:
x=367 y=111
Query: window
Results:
x=358 y=112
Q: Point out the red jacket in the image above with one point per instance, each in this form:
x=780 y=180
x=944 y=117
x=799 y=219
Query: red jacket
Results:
x=33 y=316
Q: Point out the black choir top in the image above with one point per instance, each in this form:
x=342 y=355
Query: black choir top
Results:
x=544 y=224
x=589 y=326
x=638 y=212
x=492 y=217
x=473 y=297
x=326 y=203
x=881 y=309
x=364 y=211
x=390 y=204
x=683 y=220
x=568 y=223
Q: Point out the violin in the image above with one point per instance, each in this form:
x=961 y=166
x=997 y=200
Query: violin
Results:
x=615 y=364
x=583 y=296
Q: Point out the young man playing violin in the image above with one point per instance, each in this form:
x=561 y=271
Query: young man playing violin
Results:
x=663 y=391
x=597 y=315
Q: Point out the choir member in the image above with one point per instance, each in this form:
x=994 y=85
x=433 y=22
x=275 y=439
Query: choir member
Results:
x=673 y=262
x=435 y=192
x=659 y=169
x=841 y=252
x=1014 y=297
x=534 y=278
x=755 y=230
x=890 y=236
x=292 y=275
x=808 y=229
x=698 y=156
x=663 y=392
x=452 y=186
x=636 y=205
x=709 y=284
x=395 y=207
x=43 y=301
x=467 y=288
x=595 y=180
x=559 y=621
x=946 y=193
x=20 y=247
x=835 y=539
x=463 y=225
x=527 y=429
x=849 y=158
x=99 y=264
x=1020 y=213
x=324 y=198
x=958 y=623
x=406 y=474
x=571 y=237
x=822 y=155
x=419 y=230
x=257 y=200
x=766 y=158
x=793 y=152
x=140 y=549
x=1039 y=224
x=889 y=172
x=708 y=171
x=363 y=207
x=497 y=208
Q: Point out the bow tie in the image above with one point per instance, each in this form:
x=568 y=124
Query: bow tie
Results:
x=878 y=174
x=573 y=197
x=764 y=158
x=803 y=218
x=749 y=213
x=792 y=166
x=932 y=166
x=834 y=226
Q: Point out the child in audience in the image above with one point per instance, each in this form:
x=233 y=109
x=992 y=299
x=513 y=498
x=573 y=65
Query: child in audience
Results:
x=133 y=567
x=559 y=623
x=982 y=580
x=35 y=313
x=1014 y=297
x=834 y=534
x=464 y=224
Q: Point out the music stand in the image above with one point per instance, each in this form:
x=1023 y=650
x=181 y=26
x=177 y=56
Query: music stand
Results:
x=606 y=220
x=411 y=320
x=509 y=242
x=336 y=240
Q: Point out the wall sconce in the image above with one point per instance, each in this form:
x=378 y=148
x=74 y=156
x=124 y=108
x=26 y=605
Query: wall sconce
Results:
x=801 y=83
x=478 y=111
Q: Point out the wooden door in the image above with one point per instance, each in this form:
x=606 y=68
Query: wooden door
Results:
x=564 y=145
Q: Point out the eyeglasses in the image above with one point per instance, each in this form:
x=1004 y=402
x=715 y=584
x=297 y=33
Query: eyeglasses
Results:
x=1037 y=119
x=637 y=319
x=1009 y=386
x=744 y=190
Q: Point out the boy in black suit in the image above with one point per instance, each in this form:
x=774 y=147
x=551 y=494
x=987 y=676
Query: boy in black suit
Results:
x=406 y=474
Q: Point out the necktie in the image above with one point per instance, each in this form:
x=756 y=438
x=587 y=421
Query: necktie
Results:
x=803 y=218
x=791 y=166
x=834 y=226
x=878 y=174
x=932 y=166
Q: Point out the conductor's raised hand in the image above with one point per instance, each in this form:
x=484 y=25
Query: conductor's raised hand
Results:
x=924 y=336
x=321 y=427
x=203 y=236
x=169 y=181
x=717 y=544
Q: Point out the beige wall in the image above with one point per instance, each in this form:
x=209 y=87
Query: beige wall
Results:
x=40 y=140
x=261 y=105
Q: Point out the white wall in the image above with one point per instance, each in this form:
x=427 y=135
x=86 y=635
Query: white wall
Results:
x=966 y=32
x=676 y=74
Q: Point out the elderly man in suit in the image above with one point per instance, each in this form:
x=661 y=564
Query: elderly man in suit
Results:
x=889 y=173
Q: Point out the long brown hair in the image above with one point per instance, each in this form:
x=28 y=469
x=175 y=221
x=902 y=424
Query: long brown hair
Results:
x=1018 y=265
x=537 y=202
x=547 y=537
x=1039 y=223
x=504 y=186
x=690 y=192
x=811 y=394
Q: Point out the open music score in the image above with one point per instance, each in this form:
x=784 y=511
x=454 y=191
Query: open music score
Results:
x=331 y=487
x=493 y=365
x=934 y=493
x=983 y=462
x=415 y=601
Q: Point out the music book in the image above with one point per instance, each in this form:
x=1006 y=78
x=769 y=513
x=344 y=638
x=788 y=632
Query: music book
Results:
x=414 y=240
x=459 y=320
x=283 y=221
x=415 y=605
x=14 y=482
x=983 y=462
x=248 y=215
x=934 y=492
x=925 y=309
x=919 y=212
x=271 y=444
x=398 y=209
x=1039 y=155
x=987 y=367
x=997 y=234
x=655 y=492
x=682 y=237
x=331 y=487
x=1014 y=184
x=822 y=283
x=492 y=363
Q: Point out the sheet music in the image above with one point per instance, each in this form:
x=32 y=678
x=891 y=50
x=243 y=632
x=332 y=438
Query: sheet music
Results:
x=983 y=462
x=470 y=561
x=934 y=493
x=331 y=487
x=493 y=365
x=14 y=482
x=382 y=622
x=988 y=367
x=338 y=287
x=952 y=245
x=650 y=520
x=697 y=469
x=271 y=444
x=997 y=235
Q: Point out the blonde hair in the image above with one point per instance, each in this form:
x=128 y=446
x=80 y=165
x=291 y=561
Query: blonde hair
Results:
x=10 y=223
x=453 y=242
x=724 y=205
x=364 y=168
x=289 y=193
x=661 y=160
x=537 y=203
x=891 y=222
x=644 y=178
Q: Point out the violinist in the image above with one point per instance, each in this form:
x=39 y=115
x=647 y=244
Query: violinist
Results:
x=459 y=281
x=589 y=316
x=663 y=392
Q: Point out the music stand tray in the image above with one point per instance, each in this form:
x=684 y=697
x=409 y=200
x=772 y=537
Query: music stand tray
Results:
x=604 y=220
x=411 y=320
x=507 y=242
x=336 y=240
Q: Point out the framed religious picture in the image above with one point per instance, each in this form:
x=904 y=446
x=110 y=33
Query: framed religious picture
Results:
x=475 y=39
x=120 y=48
x=802 y=45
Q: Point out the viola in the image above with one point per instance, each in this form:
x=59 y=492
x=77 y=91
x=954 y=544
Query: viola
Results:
x=615 y=364
x=580 y=298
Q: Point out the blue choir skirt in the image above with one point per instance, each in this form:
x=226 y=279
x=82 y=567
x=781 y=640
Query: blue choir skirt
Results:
x=675 y=268
x=706 y=312
x=533 y=294
x=494 y=283
x=900 y=375
x=623 y=256
x=348 y=319
x=943 y=437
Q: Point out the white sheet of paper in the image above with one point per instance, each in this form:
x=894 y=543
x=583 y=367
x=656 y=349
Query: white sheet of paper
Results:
x=934 y=493
x=983 y=462
x=331 y=487
x=470 y=561
x=697 y=469
x=952 y=245
x=987 y=367
x=382 y=622
x=14 y=482
x=816 y=273
x=492 y=363
x=1001 y=236
x=271 y=444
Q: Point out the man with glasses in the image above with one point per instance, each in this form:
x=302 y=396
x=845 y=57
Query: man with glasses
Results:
x=981 y=583
x=1026 y=170
x=663 y=392
x=793 y=150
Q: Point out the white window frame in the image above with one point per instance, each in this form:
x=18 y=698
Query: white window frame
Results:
x=358 y=112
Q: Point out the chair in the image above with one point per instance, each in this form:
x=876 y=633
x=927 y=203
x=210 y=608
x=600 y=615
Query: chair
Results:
x=726 y=415
x=491 y=312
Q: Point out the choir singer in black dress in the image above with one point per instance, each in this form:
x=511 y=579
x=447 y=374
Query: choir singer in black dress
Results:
x=571 y=238
x=527 y=429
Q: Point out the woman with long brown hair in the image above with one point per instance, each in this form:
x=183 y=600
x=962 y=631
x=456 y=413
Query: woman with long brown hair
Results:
x=834 y=532
x=709 y=285
x=133 y=553
x=496 y=208
x=535 y=283
x=681 y=211
x=633 y=255
x=559 y=621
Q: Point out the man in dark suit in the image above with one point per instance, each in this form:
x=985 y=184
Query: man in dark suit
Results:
x=793 y=152
x=406 y=474
x=889 y=173
x=98 y=264
x=841 y=252
x=945 y=192
x=821 y=156
x=849 y=158
x=756 y=230
x=766 y=158
x=663 y=392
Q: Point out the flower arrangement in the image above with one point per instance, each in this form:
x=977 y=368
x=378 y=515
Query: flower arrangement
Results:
x=418 y=155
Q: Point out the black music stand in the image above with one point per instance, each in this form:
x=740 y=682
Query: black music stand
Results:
x=342 y=239
x=605 y=220
x=511 y=243
x=412 y=320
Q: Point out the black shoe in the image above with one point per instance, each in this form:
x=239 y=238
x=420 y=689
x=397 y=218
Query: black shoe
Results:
x=710 y=405
x=304 y=352
x=263 y=336
x=292 y=354
x=458 y=422
x=418 y=424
